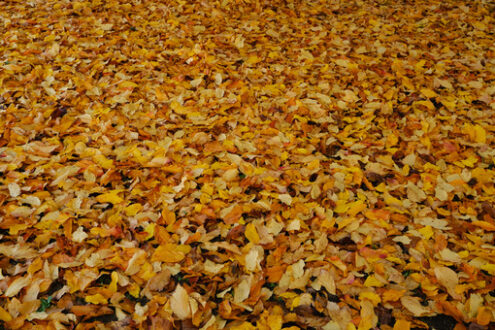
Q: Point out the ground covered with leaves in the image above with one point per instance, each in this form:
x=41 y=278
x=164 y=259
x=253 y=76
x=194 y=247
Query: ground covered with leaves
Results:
x=247 y=165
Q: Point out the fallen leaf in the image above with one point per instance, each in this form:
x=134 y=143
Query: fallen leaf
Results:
x=179 y=302
x=96 y=299
x=448 y=278
x=413 y=305
x=170 y=253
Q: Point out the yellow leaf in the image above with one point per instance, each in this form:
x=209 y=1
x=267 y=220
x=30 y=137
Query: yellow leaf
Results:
x=207 y=189
x=391 y=141
x=160 y=96
x=395 y=260
x=479 y=25
x=174 y=105
x=252 y=234
x=96 y=299
x=195 y=115
x=482 y=175
x=150 y=229
x=127 y=84
x=371 y=281
x=35 y=266
x=476 y=133
x=274 y=319
x=103 y=161
x=427 y=232
x=479 y=134
x=490 y=268
x=244 y=326
x=342 y=62
x=110 y=197
x=420 y=64
x=341 y=207
x=407 y=83
x=469 y=130
x=390 y=200
x=470 y=161
x=133 y=209
x=168 y=216
x=428 y=92
x=488 y=226
x=16 y=228
x=449 y=104
x=295 y=302
x=368 y=316
x=302 y=151
x=288 y=295
x=465 y=254
x=443 y=212
x=356 y=207
x=146 y=272
x=426 y=103
x=113 y=284
x=371 y=296
x=392 y=295
x=402 y=325
x=314 y=164
x=253 y=59
x=4 y=315
x=345 y=222
x=170 y=252
x=134 y=290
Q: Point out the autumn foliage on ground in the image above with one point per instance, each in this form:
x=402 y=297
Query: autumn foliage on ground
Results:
x=247 y=164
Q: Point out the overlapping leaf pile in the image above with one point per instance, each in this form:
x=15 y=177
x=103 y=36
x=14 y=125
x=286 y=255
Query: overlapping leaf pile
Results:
x=248 y=164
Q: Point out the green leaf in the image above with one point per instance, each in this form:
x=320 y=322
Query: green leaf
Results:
x=45 y=304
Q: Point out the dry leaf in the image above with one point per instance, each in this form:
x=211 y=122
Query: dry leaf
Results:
x=413 y=305
x=179 y=302
x=448 y=278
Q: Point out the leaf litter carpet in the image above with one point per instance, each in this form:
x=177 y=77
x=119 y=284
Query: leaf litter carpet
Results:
x=247 y=165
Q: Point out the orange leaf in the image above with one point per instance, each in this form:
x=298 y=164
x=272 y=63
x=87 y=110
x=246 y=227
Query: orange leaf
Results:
x=392 y=295
x=233 y=215
x=275 y=273
x=168 y=216
x=485 y=225
x=402 y=325
x=484 y=316
x=378 y=214
x=170 y=252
